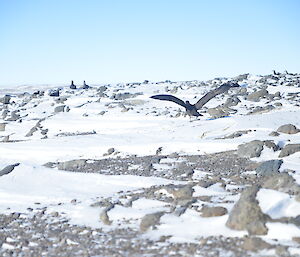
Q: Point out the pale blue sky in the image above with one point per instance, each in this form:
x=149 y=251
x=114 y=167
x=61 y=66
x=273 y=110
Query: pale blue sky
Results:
x=55 y=41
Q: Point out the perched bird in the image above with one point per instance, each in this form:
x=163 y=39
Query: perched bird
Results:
x=85 y=86
x=72 y=86
x=192 y=109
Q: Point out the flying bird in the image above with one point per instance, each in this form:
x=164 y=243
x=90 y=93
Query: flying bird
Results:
x=192 y=109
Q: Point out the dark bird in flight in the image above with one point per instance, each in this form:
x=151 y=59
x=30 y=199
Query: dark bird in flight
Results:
x=192 y=109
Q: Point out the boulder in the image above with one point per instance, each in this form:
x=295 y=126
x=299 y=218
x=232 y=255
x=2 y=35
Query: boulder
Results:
x=247 y=215
x=150 y=220
x=8 y=169
x=282 y=182
x=213 y=211
x=256 y=96
x=288 y=129
x=268 y=168
x=289 y=149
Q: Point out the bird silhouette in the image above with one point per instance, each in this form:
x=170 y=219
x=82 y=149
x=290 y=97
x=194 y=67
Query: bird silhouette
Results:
x=192 y=109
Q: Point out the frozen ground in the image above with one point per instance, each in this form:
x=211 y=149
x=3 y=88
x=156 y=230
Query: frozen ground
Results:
x=107 y=171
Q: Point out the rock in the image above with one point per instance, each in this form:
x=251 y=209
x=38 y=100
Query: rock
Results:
x=123 y=96
x=4 y=114
x=255 y=244
x=236 y=134
x=251 y=149
x=54 y=92
x=282 y=182
x=72 y=165
x=246 y=214
x=288 y=129
x=101 y=113
x=233 y=101
x=259 y=109
x=274 y=134
x=181 y=192
x=2 y=126
x=60 y=108
x=8 y=169
x=268 y=168
x=150 y=220
x=217 y=112
x=214 y=211
x=254 y=148
x=256 y=96
x=296 y=239
x=289 y=149
x=14 y=116
x=104 y=218
x=5 y=99
x=34 y=129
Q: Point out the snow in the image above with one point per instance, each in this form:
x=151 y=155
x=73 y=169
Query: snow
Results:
x=141 y=132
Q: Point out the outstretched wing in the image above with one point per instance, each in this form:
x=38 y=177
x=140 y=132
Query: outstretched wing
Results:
x=169 y=98
x=220 y=90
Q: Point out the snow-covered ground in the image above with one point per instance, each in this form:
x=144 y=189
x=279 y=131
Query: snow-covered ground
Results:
x=139 y=126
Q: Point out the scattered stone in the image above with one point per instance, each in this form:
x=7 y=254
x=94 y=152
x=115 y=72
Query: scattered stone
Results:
x=8 y=169
x=282 y=182
x=255 y=244
x=105 y=218
x=5 y=99
x=274 y=134
x=102 y=112
x=251 y=149
x=288 y=129
x=268 y=168
x=214 y=211
x=150 y=220
x=217 y=112
x=236 y=134
x=256 y=96
x=72 y=165
x=260 y=110
x=2 y=126
x=110 y=151
x=181 y=192
x=14 y=116
x=60 y=108
x=289 y=149
x=54 y=93
x=247 y=215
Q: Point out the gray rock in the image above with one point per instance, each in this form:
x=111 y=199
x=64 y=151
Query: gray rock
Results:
x=14 y=116
x=2 y=126
x=213 y=211
x=289 y=149
x=282 y=182
x=233 y=101
x=288 y=129
x=247 y=215
x=274 y=134
x=150 y=220
x=104 y=218
x=250 y=149
x=4 y=114
x=259 y=109
x=34 y=129
x=268 y=168
x=60 y=108
x=8 y=169
x=72 y=165
x=255 y=244
x=256 y=96
x=181 y=192
x=217 y=112
x=5 y=99
x=254 y=148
